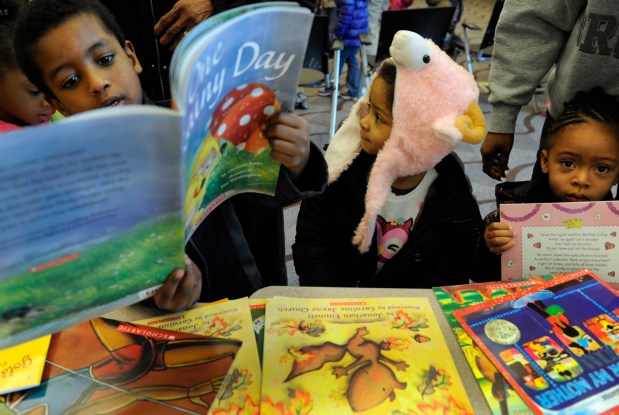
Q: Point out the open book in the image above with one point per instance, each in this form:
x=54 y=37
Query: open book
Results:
x=95 y=210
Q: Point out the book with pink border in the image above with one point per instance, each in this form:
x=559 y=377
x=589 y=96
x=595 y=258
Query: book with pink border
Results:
x=555 y=238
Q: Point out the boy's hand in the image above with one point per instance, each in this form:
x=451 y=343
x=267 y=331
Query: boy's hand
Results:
x=499 y=237
x=181 y=290
x=289 y=137
x=185 y=14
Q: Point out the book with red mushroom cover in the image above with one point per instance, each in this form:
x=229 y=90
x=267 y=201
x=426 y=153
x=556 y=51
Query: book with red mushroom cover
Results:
x=238 y=80
x=557 y=344
x=96 y=209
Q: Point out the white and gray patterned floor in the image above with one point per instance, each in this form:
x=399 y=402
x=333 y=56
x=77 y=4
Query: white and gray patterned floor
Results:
x=522 y=157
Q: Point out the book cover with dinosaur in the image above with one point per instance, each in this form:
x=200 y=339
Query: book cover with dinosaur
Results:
x=370 y=355
x=107 y=366
x=240 y=391
x=556 y=343
x=501 y=399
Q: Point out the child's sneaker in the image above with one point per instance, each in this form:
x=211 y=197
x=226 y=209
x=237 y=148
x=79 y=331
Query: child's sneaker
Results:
x=348 y=96
x=300 y=101
x=325 y=92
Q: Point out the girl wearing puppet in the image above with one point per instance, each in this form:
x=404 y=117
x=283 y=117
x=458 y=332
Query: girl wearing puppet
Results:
x=398 y=210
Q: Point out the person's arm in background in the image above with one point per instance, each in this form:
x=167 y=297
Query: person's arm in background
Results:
x=529 y=37
x=186 y=14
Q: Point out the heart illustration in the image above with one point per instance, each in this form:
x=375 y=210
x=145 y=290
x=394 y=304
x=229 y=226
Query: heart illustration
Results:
x=611 y=274
x=539 y=245
x=609 y=245
x=613 y=234
x=531 y=268
x=529 y=235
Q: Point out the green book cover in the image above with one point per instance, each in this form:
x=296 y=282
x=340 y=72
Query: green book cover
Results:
x=501 y=399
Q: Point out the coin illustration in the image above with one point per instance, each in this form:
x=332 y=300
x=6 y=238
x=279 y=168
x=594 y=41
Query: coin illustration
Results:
x=502 y=331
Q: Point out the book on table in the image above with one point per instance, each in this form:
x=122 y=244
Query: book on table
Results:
x=557 y=343
x=501 y=399
x=21 y=366
x=358 y=355
x=231 y=320
x=96 y=209
x=105 y=366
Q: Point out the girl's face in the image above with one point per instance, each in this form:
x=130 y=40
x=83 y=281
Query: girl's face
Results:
x=583 y=162
x=376 y=124
x=22 y=103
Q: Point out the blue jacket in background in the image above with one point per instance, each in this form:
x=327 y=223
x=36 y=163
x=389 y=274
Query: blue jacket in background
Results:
x=352 y=19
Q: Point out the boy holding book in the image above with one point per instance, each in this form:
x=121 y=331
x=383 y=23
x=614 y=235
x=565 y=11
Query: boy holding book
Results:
x=239 y=247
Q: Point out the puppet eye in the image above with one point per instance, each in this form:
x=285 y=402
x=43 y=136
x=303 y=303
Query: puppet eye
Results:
x=426 y=58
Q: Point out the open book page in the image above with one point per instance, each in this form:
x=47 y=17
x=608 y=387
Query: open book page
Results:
x=228 y=83
x=557 y=344
x=554 y=238
x=91 y=217
x=369 y=355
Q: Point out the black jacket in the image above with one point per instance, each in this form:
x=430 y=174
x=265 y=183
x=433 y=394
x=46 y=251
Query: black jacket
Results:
x=441 y=250
x=240 y=246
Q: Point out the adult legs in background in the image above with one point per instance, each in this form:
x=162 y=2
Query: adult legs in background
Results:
x=375 y=10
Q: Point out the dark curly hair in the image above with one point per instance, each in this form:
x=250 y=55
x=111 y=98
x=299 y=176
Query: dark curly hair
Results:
x=39 y=17
x=592 y=105
x=9 y=9
x=387 y=71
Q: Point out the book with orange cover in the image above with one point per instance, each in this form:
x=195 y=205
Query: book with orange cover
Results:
x=370 y=355
x=106 y=366
x=230 y=320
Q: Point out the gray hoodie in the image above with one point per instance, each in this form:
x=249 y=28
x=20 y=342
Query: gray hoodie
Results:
x=580 y=36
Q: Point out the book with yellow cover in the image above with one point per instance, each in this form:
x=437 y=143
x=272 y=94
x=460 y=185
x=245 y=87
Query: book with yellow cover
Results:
x=21 y=366
x=240 y=390
x=370 y=355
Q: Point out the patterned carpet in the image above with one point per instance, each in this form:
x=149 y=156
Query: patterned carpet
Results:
x=522 y=157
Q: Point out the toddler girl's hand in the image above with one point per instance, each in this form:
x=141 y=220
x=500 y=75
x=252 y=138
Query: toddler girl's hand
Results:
x=499 y=237
x=289 y=137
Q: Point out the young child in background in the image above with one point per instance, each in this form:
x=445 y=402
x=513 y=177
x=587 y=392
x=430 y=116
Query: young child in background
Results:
x=240 y=246
x=21 y=103
x=352 y=19
x=579 y=162
x=428 y=228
